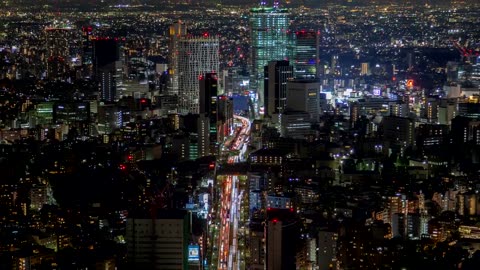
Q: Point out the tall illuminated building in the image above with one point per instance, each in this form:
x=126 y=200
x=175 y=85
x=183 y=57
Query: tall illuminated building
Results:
x=269 y=41
x=196 y=56
x=58 y=50
x=87 y=50
x=306 y=54
x=177 y=32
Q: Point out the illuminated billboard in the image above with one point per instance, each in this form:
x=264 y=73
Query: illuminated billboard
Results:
x=193 y=253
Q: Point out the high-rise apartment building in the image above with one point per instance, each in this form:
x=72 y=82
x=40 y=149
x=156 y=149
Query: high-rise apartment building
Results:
x=58 y=50
x=277 y=74
x=196 y=56
x=177 y=32
x=306 y=54
x=269 y=41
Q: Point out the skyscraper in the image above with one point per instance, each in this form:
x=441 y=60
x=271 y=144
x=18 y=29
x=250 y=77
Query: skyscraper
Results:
x=304 y=95
x=107 y=66
x=225 y=117
x=277 y=73
x=58 y=50
x=196 y=56
x=176 y=32
x=281 y=235
x=306 y=54
x=269 y=41
x=105 y=52
x=87 y=50
x=208 y=104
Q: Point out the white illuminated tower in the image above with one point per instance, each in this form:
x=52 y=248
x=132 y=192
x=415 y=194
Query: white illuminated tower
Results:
x=196 y=57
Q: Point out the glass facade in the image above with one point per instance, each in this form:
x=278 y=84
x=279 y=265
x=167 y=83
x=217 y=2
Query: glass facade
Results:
x=197 y=56
x=306 y=54
x=269 y=29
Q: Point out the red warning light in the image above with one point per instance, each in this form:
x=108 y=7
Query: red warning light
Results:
x=205 y=34
x=275 y=220
x=143 y=100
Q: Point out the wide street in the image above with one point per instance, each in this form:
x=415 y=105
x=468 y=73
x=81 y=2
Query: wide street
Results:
x=230 y=201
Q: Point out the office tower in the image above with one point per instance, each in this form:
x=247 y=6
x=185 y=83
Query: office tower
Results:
x=303 y=95
x=306 y=54
x=109 y=118
x=469 y=107
x=465 y=129
x=87 y=51
x=196 y=56
x=69 y=112
x=399 y=130
x=159 y=242
x=107 y=66
x=431 y=109
x=209 y=104
x=177 y=32
x=107 y=84
x=58 y=51
x=198 y=124
x=334 y=65
x=105 y=52
x=429 y=135
x=277 y=73
x=295 y=124
x=224 y=118
x=73 y=114
x=365 y=69
x=354 y=108
x=269 y=41
x=282 y=229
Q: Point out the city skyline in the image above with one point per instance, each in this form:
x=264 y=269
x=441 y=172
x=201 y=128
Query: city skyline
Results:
x=238 y=135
